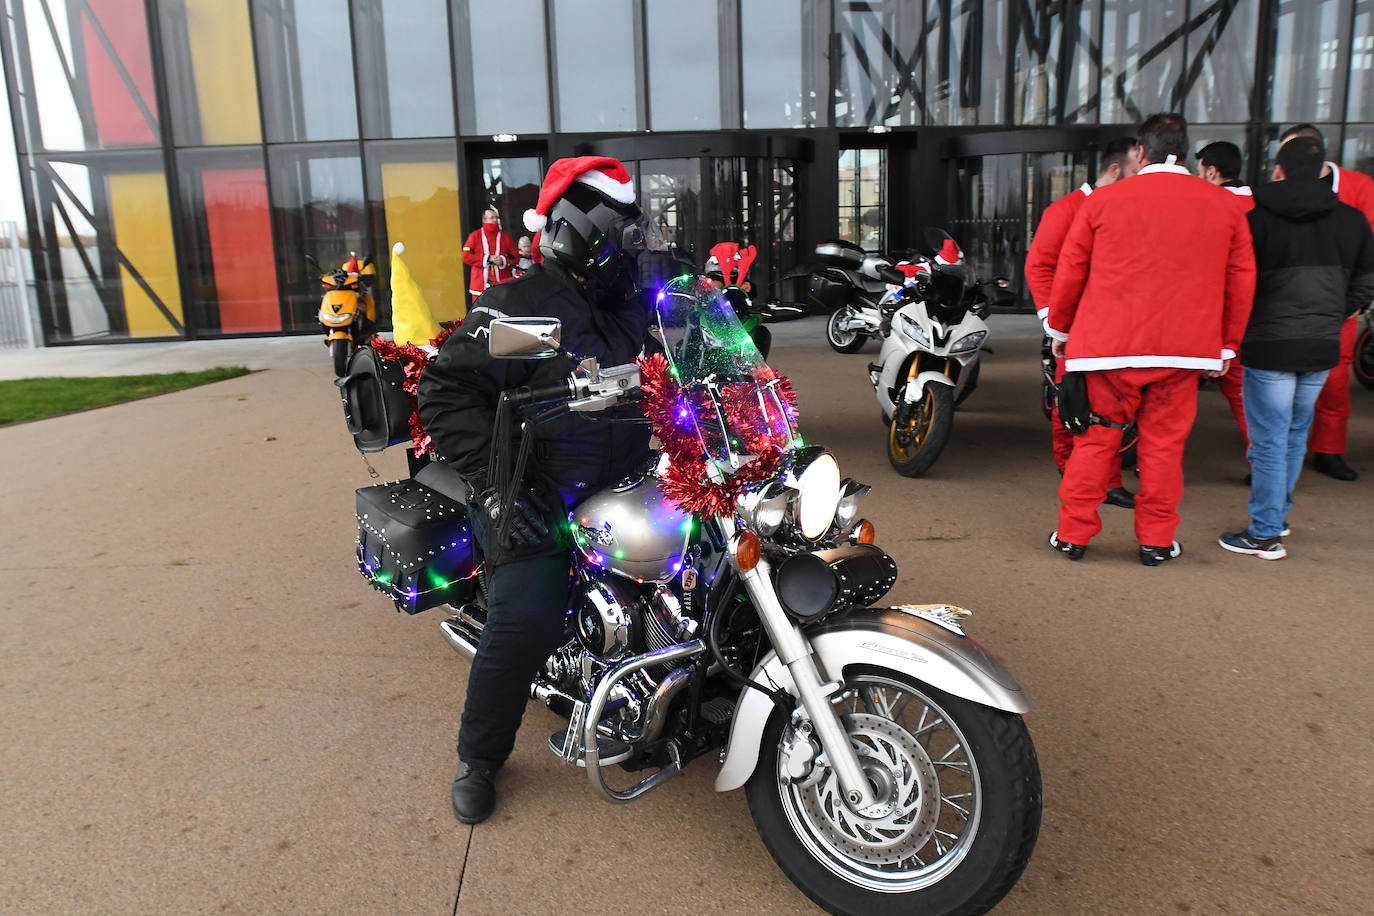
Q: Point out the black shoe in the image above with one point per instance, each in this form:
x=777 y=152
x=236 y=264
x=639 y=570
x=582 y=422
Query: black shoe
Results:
x=1120 y=496
x=1334 y=466
x=1072 y=551
x=1153 y=556
x=1246 y=543
x=474 y=793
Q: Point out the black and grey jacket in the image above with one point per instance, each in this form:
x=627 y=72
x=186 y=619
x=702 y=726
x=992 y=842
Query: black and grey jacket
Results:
x=1315 y=261
x=459 y=389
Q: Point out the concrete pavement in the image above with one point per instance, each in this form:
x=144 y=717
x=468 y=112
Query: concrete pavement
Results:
x=205 y=708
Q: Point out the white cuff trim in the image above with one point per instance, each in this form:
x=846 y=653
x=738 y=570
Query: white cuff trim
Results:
x=1227 y=353
x=1097 y=363
x=1041 y=313
x=1057 y=335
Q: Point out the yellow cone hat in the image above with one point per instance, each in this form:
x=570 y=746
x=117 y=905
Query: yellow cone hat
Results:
x=411 y=320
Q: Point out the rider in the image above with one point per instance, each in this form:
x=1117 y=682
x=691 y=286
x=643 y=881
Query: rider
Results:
x=593 y=239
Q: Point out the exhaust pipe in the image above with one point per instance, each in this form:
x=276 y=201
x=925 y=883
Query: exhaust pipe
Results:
x=459 y=637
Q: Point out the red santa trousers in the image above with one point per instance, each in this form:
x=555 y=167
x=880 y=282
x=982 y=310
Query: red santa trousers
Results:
x=1333 y=404
x=1230 y=385
x=1163 y=403
x=1063 y=441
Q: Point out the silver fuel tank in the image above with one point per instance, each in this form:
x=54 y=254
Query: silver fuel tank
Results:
x=633 y=530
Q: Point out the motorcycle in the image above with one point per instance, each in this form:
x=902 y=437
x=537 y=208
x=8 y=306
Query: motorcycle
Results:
x=347 y=311
x=933 y=329
x=728 y=266
x=726 y=598
x=1364 y=352
x=854 y=299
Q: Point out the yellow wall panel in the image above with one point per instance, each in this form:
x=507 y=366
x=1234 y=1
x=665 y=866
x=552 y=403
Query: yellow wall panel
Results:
x=143 y=232
x=421 y=203
x=222 y=57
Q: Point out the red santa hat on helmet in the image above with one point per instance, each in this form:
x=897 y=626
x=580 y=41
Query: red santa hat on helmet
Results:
x=949 y=253
x=604 y=174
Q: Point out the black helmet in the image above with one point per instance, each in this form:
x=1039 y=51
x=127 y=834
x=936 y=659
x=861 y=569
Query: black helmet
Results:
x=594 y=236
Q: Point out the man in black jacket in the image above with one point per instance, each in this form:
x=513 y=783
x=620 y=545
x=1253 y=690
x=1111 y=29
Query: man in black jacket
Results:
x=1315 y=257
x=592 y=237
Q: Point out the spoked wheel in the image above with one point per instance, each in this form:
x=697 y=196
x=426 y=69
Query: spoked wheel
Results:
x=843 y=340
x=919 y=431
x=958 y=810
x=1364 y=356
x=339 y=350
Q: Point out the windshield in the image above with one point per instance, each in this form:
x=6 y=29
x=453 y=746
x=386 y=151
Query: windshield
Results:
x=736 y=406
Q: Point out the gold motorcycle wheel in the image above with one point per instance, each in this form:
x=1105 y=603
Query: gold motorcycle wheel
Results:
x=919 y=431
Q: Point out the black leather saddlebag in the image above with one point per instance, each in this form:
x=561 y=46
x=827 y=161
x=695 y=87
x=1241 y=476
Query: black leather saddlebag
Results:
x=415 y=545
x=376 y=406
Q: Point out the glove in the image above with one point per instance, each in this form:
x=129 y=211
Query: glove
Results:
x=523 y=519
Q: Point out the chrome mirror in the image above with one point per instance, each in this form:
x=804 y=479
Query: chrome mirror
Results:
x=525 y=338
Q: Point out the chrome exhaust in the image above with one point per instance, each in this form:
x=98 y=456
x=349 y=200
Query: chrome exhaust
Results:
x=460 y=637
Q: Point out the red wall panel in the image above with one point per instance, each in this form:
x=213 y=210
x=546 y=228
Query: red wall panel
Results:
x=236 y=215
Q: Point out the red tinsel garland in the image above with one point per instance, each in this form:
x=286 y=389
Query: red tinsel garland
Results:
x=413 y=360
x=672 y=413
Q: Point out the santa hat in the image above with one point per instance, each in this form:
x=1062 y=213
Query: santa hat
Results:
x=949 y=253
x=602 y=173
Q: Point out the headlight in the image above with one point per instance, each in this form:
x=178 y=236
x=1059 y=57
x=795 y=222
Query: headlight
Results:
x=818 y=494
x=912 y=328
x=764 y=508
x=848 y=508
x=969 y=342
x=336 y=319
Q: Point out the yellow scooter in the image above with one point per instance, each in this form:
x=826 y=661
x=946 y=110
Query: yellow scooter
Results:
x=347 y=310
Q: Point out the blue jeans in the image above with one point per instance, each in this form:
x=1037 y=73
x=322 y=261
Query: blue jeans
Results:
x=1278 y=409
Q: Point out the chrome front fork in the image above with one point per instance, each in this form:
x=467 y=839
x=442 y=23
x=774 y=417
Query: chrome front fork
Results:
x=794 y=651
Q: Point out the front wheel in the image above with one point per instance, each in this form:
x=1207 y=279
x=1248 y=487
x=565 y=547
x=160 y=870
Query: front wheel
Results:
x=1364 y=357
x=919 y=431
x=958 y=812
x=339 y=350
x=842 y=340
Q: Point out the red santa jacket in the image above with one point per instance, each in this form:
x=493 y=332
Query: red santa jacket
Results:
x=1354 y=188
x=1043 y=254
x=1157 y=270
x=1242 y=196
x=482 y=245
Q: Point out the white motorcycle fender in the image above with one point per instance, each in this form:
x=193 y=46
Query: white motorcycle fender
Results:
x=891 y=638
x=916 y=388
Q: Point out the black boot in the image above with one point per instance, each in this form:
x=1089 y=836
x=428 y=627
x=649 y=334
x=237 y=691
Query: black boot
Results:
x=1334 y=466
x=474 y=793
x=1153 y=556
x=1072 y=551
x=1120 y=496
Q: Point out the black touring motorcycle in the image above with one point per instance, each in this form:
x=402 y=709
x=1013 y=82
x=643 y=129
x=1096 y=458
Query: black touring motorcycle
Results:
x=724 y=602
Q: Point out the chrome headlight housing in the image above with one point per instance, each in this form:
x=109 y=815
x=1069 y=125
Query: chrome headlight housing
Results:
x=344 y=318
x=816 y=478
x=764 y=508
x=969 y=342
x=912 y=328
x=847 y=511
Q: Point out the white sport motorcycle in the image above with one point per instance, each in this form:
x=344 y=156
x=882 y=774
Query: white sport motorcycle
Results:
x=881 y=750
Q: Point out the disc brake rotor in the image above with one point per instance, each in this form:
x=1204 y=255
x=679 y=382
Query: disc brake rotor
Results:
x=903 y=777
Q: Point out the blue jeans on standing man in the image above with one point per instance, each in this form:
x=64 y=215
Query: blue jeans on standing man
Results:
x=1278 y=409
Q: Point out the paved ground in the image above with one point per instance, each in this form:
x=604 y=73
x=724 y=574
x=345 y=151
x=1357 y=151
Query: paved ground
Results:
x=205 y=710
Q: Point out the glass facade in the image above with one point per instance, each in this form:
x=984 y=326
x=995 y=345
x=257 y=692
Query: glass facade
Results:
x=180 y=159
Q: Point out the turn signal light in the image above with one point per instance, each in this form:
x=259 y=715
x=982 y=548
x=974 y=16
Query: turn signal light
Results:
x=746 y=548
x=864 y=532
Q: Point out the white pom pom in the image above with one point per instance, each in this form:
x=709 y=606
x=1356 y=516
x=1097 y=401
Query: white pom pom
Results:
x=535 y=222
x=399 y=248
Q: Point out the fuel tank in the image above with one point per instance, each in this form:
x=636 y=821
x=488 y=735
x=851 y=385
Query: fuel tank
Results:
x=633 y=530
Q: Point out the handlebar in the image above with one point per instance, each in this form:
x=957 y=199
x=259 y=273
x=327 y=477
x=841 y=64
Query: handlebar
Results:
x=588 y=388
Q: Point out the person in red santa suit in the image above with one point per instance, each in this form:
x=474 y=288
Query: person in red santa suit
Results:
x=1327 y=442
x=491 y=254
x=1120 y=159
x=1220 y=163
x=1135 y=251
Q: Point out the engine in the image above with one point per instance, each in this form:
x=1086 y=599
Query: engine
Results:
x=615 y=619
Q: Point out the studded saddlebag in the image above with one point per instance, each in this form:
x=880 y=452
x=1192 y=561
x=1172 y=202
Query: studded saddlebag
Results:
x=415 y=545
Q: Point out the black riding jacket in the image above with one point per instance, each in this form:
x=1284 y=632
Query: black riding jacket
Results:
x=458 y=391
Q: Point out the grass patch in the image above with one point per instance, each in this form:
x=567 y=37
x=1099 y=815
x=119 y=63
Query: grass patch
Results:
x=34 y=398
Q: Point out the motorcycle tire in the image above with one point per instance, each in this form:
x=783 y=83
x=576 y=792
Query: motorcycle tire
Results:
x=971 y=385
x=843 y=341
x=1363 y=366
x=901 y=867
x=340 y=350
x=920 y=431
